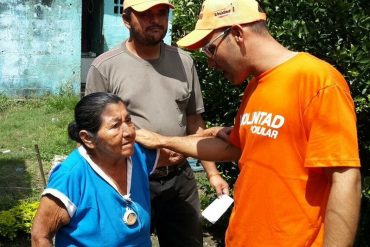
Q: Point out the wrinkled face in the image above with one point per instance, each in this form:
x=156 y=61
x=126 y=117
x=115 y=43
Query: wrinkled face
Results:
x=224 y=55
x=149 y=27
x=116 y=135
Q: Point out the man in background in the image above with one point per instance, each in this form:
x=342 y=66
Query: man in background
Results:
x=161 y=90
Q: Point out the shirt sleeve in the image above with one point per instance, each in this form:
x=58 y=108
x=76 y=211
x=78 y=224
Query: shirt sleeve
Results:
x=63 y=185
x=149 y=157
x=330 y=125
x=95 y=81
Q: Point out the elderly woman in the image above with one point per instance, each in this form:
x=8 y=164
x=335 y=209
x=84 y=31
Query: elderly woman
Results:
x=99 y=196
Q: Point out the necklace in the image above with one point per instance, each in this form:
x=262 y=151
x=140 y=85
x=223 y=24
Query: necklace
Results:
x=130 y=216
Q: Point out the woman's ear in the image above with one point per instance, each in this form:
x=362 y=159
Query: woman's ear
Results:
x=87 y=139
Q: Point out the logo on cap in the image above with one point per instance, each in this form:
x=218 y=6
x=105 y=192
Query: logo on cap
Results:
x=224 y=11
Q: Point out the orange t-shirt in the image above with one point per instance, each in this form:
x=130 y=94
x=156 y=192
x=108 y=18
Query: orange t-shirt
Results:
x=294 y=120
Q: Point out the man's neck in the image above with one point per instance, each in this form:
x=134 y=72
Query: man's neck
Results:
x=269 y=54
x=145 y=52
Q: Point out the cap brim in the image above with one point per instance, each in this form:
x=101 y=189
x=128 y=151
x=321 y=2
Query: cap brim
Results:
x=192 y=41
x=147 y=5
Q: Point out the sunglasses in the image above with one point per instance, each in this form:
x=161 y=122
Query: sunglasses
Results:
x=209 y=49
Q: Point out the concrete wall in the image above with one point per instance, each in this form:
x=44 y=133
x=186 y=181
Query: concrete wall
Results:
x=40 y=46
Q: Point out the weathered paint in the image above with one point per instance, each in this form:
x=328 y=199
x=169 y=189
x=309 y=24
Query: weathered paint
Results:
x=40 y=46
x=114 y=30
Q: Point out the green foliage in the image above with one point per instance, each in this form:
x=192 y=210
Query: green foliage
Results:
x=58 y=103
x=17 y=220
x=366 y=188
x=7 y=223
x=5 y=103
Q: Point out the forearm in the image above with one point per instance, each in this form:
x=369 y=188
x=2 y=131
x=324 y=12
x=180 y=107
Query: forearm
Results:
x=196 y=126
x=203 y=148
x=41 y=241
x=210 y=168
x=343 y=208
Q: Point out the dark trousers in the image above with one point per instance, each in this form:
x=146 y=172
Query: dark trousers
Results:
x=176 y=209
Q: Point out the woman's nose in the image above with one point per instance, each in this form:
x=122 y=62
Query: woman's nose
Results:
x=128 y=130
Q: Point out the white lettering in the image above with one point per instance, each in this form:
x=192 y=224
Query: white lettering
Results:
x=244 y=120
x=262 y=115
x=277 y=122
x=267 y=120
x=263 y=123
x=274 y=134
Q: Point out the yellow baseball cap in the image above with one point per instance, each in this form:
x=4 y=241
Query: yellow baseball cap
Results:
x=215 y=14
x=143 y=5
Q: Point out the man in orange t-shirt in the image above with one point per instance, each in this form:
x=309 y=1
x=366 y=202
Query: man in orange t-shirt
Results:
x=294 y=135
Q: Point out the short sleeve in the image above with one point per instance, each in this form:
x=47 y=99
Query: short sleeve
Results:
x=148 y=156
x=330 y=125
x=63 y=184
x=95 y=82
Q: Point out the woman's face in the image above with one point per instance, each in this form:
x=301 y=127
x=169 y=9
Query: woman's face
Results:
x=116 y=135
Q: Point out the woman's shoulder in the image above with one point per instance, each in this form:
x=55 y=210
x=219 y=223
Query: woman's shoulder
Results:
x=72 y=164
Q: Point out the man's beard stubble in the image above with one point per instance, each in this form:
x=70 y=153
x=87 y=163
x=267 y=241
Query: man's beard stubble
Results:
x=147 y=38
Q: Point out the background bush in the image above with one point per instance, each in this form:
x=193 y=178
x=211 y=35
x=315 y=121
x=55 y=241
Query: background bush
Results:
x=17 y=220
x=334 y=30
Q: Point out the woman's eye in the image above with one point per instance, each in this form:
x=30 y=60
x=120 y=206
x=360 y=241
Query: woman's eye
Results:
x=116 y=125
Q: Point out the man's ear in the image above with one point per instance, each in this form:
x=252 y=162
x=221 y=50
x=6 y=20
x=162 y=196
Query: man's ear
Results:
x=87 y=139
x=238 y=33
x=126 y=22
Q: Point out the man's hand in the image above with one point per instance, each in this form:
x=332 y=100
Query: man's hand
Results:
x=148 y=139
x=219 y=184
x=220 y=132
x=168 y=157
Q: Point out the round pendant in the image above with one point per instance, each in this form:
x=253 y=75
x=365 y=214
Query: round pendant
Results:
x=130 y=217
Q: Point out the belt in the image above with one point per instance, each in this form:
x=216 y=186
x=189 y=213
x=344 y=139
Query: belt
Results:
x=167 y=171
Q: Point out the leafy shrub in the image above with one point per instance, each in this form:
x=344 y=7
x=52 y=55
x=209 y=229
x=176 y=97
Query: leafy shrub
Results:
x=17 y=220
x=7 y=225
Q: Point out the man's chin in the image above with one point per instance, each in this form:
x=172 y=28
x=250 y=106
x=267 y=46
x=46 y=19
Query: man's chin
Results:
x=153 y=42
x=155 y=39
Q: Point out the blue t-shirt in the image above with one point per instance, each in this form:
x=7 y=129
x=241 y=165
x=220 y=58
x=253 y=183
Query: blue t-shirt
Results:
x=95 y=206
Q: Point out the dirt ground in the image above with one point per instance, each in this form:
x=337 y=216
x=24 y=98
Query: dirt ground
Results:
x=210 y=239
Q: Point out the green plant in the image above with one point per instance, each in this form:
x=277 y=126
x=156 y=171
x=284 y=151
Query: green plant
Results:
x=24 y=213
x=7 y=225
x=18 y=219
x=5 y=103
